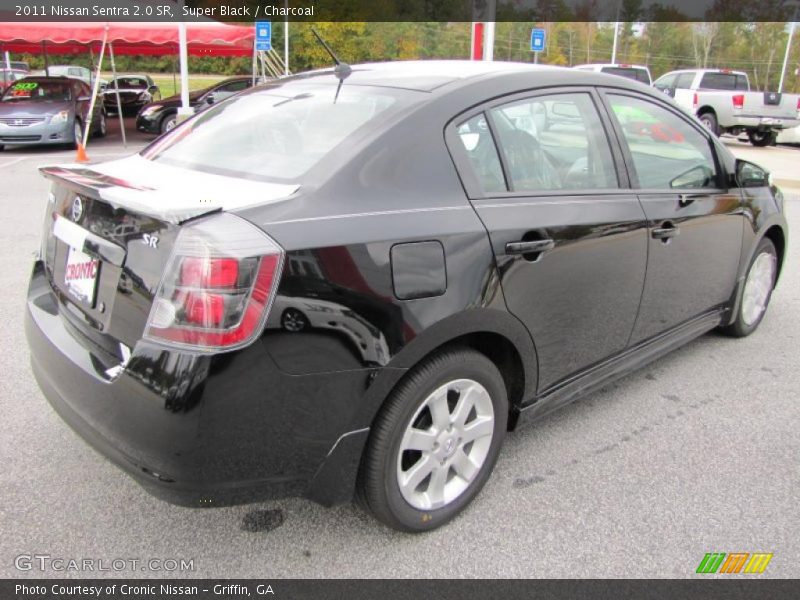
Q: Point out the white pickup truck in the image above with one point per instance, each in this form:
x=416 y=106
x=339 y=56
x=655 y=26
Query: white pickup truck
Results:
x=723 y=102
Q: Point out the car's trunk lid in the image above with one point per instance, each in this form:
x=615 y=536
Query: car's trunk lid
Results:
x=110 y=233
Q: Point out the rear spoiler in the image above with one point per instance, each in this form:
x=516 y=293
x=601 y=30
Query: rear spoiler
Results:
x=126 y=195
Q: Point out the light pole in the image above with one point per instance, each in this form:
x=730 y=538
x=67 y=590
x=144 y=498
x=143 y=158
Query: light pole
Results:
x=794 y=3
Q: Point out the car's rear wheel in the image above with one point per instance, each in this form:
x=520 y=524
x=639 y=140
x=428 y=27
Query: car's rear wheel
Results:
x=756 y=292
x=709 y=120
x=761 y=138
x=435 y=442
x=168 y=123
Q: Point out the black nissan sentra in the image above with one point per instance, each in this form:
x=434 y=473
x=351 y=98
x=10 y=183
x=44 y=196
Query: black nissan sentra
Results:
x=354 y=283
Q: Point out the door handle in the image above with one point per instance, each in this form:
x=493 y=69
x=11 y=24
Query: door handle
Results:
x=665 y=233
x=530 y=247
x=687 y=199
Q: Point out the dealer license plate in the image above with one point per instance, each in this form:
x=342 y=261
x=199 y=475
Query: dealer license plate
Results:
x=80 y=275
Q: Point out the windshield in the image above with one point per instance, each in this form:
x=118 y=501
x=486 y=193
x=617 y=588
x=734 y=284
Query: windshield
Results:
x=42 y=91
x=629 y=72
x=276 y=133
x=135 y=83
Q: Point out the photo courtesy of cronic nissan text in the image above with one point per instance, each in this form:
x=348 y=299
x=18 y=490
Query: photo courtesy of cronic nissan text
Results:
x=317 y=299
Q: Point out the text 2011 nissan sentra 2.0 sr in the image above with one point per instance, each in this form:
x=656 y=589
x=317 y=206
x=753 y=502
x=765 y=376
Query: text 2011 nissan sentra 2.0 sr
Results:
x=358 y=282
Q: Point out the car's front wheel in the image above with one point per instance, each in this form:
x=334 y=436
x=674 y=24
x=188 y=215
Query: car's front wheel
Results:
x=168 y=123
x=435 y=442
x=756 y=292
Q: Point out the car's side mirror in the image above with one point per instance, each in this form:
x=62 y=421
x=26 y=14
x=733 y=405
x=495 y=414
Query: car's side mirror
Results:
x=210 y=99
x=152 y=89
x=750 y=175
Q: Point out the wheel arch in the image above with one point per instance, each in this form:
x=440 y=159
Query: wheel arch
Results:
x=496 y=334
x=777 y=236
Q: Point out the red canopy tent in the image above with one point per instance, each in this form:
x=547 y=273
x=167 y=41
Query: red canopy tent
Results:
x=202 y=39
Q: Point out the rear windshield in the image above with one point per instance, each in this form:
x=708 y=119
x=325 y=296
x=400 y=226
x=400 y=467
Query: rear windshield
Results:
x=277 y=133
x=629 y=72
x=42 y=91
x=723 y=81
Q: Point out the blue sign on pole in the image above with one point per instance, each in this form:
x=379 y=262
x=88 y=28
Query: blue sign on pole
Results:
x=537 y=40
x=263 y=36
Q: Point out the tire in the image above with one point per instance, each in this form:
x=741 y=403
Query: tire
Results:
x=755 y=294
x=709 y=120
x=102 y=126
x=294 y=321
x=388 y=457
x=761 y=138
x=77 y=129
x=168 y=123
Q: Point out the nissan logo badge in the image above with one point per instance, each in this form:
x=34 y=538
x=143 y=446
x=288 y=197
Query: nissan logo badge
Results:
x=77 y=209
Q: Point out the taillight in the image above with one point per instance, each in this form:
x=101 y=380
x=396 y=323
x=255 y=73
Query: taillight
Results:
x=218 y=287
x=695 y=101
x=738 y=101
x=798 y=105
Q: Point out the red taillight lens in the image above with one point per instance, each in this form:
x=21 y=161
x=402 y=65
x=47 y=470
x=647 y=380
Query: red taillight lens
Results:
x=204 y=309
x=798 y=104
x=695 y=101
x=738 y=101
x=218 y=286
x=209 y=272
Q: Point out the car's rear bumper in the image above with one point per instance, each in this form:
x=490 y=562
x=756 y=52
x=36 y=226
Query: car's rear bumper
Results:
x=201 y=430
x=763 y=122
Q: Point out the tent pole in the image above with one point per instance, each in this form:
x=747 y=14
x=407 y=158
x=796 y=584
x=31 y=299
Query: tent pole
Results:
x=185 y=110
x=174 y=74
x=286 y=42
x=116 y=93
x=95 y=89
x=46 y=62
x=254 y=61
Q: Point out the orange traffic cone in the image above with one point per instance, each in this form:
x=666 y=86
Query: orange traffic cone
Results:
x=80 y=155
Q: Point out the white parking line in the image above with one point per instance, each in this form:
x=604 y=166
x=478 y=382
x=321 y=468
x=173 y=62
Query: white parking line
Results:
x=12 y=162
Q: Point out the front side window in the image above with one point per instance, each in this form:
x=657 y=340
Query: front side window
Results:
x=279 y=133
x=665 y=82
x=554 y=142
x=684 y=81
x=667 y=152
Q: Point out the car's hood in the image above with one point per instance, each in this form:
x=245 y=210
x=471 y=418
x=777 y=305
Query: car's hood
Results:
x=171 y=194
x=32 y=108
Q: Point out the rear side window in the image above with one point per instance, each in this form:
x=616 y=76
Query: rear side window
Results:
x=684 y=81
x=277 y=133
x=667 y=152
x=723 y=81
x=482 y=153
x=554 y=142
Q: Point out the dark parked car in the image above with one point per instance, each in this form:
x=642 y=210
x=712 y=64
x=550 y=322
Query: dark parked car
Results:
x=161 y=116
x=135 y=91
x=47 y=110
x=331 y=286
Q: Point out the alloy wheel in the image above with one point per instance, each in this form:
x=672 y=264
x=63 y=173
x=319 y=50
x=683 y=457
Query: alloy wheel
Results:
x=445 y=444
x=757 y=287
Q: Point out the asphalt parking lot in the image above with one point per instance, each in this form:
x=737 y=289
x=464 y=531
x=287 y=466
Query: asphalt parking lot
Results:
x=698 y=452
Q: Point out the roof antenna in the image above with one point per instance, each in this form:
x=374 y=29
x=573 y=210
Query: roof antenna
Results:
x=342 y=70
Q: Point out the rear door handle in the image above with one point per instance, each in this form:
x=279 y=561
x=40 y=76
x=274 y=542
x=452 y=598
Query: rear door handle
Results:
x=687 y=199
x=530 y=247
x=664 y=233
